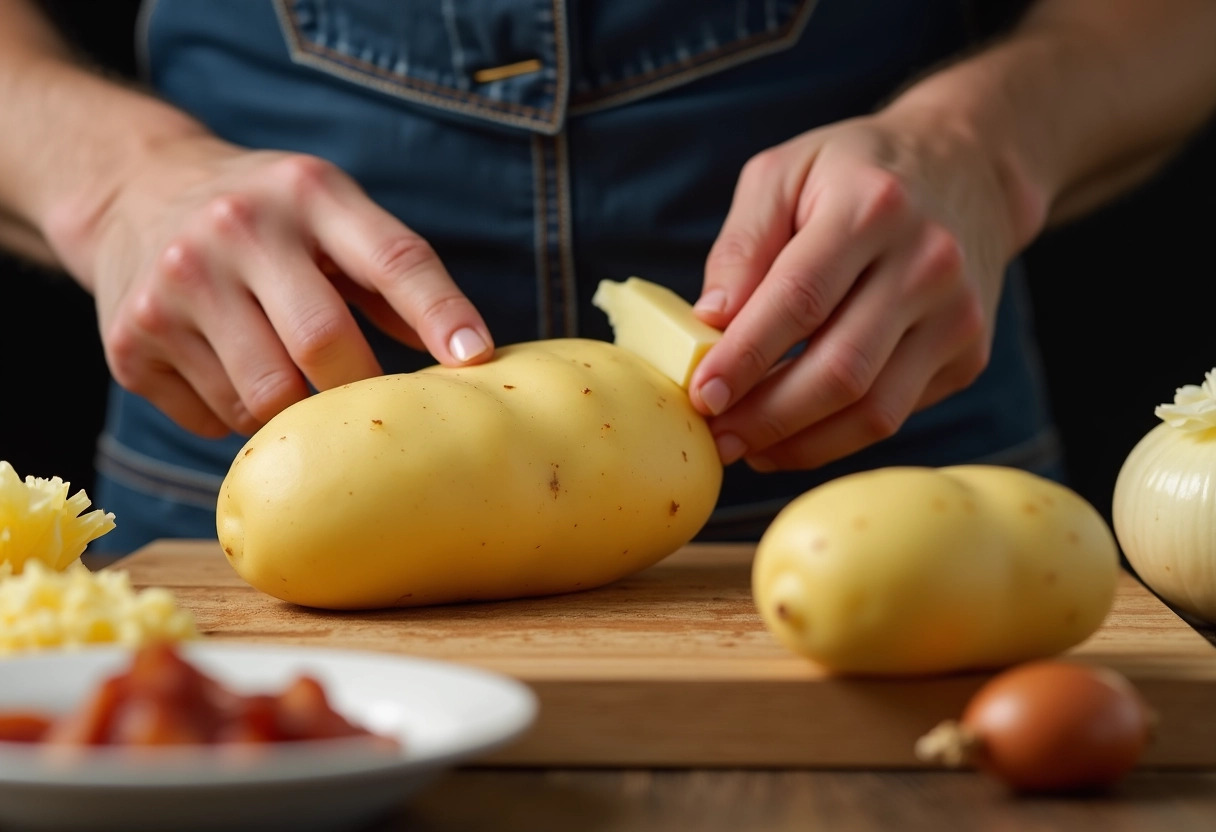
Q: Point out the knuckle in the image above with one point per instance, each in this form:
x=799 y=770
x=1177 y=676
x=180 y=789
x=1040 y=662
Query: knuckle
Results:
x=129 y=341
x=397 y=257
x=763 y=167
x=130 y=367
x=766 y=429
x=732 y=249
x=303 y=175
x=438 y=308
x=181 y=264
x=804 y=304
x=231 y=216
x=266 y=395
x=751 y=360
x=848 y=372
x=149 y=315
x=317 y=335
x=122 y=356
x=883 y=196
x=880 y=419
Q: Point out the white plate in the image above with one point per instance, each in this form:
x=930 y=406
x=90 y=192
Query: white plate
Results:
x=442 y=713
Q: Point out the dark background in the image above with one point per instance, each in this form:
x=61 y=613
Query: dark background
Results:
x=1125 y=302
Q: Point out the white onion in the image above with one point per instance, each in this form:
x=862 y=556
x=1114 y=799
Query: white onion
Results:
x=1164 y=509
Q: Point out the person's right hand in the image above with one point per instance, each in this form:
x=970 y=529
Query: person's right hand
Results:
x=222 y=276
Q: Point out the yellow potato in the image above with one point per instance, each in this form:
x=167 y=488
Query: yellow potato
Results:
x=908 y=570
x=559 y=465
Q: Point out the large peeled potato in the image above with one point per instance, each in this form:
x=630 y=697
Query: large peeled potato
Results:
x=558 y=465
x=920 y=570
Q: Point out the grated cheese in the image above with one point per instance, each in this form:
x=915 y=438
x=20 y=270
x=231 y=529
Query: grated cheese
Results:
x=75 y=607
x=39 y=521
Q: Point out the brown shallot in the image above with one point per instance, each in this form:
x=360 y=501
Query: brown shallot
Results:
x=1047 y=726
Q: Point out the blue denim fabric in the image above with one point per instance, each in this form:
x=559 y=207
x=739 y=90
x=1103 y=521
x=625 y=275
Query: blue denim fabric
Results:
x=534 y=188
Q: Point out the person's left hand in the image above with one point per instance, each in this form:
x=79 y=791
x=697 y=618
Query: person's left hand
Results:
x=879 y=242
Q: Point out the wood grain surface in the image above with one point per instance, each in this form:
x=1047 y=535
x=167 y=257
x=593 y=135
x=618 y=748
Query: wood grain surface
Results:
x=672 y=667
x=794 y=801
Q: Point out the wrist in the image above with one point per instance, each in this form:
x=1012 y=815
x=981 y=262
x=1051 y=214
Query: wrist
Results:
x=79 y=180
x=972 y=103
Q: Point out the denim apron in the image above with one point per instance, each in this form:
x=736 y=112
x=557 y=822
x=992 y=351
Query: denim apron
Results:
x=541 y=146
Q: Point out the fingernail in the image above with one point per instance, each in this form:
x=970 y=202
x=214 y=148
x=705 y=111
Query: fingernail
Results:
x=716 y=395
x=712 y=301
x=730 y=447
x=467 y=343
x=761 y=464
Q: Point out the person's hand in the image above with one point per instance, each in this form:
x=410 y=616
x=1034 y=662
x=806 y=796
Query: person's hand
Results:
x=221 y=278
x=879 y=243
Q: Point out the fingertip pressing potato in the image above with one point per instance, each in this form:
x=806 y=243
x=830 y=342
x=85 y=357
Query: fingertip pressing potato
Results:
x=557 y=466
x=908 y=570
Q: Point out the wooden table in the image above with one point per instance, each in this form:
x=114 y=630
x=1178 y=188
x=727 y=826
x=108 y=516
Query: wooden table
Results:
x=775 y=801
x=664 y=776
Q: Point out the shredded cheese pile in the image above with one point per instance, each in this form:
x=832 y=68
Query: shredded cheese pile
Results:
x=48 y=598
x=75 y=607
x=1194 y=406
x=39 y=521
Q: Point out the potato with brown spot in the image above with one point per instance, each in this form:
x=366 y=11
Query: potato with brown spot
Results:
x=483 y=482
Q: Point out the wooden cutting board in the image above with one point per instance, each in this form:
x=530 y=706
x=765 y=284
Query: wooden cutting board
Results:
x=673 y=666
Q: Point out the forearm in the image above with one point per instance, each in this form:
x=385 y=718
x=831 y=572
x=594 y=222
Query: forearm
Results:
x=1085 y=99
x=71 y=137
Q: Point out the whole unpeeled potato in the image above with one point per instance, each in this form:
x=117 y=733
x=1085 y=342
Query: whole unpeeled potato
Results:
x=557 y=466
x=906 y=570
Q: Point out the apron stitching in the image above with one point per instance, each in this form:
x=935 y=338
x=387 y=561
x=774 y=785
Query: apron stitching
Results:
x=565 y=239
x=551 y=321
x=705 y=63
x=560 y=62
x=759 y=40
x=541 y=218
x=360 y=70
